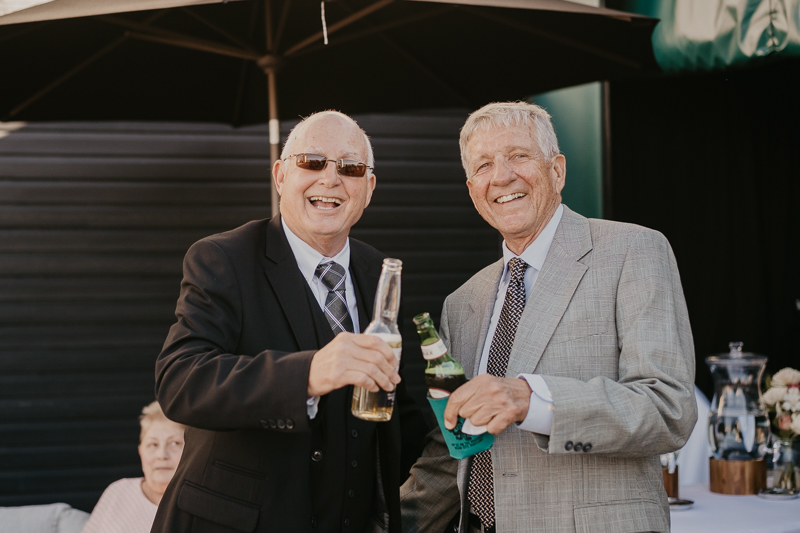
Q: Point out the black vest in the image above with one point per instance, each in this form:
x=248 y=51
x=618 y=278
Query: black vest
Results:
x=342 y=454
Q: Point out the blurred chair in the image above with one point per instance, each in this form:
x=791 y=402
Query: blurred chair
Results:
x=693 y=457
x=53 y=518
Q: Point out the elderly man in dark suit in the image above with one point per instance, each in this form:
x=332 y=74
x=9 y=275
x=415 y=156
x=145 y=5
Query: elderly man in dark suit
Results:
x=263 y=357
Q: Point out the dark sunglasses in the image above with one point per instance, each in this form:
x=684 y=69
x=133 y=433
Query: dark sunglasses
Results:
x=345 y=167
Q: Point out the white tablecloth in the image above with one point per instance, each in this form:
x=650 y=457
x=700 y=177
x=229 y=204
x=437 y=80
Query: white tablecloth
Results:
x=734 y=514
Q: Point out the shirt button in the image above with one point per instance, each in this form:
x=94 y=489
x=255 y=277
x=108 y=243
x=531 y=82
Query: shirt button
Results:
x=354 y=433
x=551 y=408
x=354 y=463
x=568 y=446
x=351 y=493
x=316 y=456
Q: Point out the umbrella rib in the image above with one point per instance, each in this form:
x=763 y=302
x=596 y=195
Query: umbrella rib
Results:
x=158 y=35
x=237 y=105
x=551 y=36
x=378 y=29
x=76 y=69
x=268 y=25
x=426 y=70
x=358 y=15
x=224 y=33
x=282 y=23
x=27 y=28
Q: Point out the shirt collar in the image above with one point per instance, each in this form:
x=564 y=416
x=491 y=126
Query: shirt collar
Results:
x=536 y=252
x=308 y=258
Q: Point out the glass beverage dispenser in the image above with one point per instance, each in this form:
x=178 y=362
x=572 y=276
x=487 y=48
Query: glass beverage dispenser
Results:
x=738 y=427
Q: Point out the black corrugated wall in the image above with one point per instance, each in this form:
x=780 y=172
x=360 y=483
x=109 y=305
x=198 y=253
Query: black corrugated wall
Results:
x=94 y=222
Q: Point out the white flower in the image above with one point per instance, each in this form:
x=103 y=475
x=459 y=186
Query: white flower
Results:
x=786 y=377
x=774 y=395
x=786 y=406
x=795 y=427
x=793 y=396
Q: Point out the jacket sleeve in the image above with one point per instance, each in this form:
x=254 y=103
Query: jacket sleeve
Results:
x=650 y=409
x=200 y=381
x=429 y=498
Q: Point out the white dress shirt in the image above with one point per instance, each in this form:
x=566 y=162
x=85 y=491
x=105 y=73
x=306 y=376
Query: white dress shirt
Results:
x=307 y=261
x=540 y=411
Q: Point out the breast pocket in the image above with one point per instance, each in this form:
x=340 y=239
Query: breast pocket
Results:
x=582 y=329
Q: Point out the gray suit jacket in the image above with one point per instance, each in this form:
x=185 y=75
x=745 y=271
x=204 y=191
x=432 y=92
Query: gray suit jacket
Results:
x=606 y=325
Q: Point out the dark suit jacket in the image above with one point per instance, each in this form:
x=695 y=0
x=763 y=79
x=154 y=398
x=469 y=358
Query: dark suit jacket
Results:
x=234 y=368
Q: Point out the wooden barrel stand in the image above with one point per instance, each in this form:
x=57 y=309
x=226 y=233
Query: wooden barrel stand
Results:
x=737 y=477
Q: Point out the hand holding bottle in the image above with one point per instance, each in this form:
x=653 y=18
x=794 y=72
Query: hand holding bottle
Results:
x=490 y=401
x=350 y=359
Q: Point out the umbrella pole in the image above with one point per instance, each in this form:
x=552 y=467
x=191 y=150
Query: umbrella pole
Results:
x=274 y=136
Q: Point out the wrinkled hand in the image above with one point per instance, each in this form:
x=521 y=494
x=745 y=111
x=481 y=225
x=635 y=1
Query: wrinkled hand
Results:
x=489 y=401
x=351 y=359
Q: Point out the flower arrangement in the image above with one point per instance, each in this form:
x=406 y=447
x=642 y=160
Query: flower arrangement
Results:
x=783 y=398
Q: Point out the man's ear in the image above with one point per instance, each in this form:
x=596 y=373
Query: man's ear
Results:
x=279 y=174
x=558 y=172
x=371 y=181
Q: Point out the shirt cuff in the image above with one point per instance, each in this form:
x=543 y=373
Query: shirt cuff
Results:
x=312 y=404
x=540 y=410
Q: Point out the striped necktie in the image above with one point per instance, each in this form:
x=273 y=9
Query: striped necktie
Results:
x=481 y=477
x=332 y=275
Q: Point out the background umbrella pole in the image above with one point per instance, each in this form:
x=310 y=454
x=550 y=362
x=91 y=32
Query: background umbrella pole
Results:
x=274 y=136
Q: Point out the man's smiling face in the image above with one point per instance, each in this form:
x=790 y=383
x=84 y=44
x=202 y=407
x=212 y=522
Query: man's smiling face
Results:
x=513 y=186
x=320 y=207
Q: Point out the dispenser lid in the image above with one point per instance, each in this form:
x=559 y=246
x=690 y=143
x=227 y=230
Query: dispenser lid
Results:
x=736 y=356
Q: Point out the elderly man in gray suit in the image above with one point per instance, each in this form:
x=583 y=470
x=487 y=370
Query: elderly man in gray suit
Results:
x=580 y=350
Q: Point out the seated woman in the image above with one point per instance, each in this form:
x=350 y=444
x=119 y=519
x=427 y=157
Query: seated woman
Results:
x=129 y=505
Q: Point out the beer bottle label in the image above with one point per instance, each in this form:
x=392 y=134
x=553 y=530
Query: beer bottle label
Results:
x=434 y=351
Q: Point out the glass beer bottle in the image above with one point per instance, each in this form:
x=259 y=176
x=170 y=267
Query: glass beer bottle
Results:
x=378 y=406
x=443 y=374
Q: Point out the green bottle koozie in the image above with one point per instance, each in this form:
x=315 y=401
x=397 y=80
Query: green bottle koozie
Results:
x=459 y=444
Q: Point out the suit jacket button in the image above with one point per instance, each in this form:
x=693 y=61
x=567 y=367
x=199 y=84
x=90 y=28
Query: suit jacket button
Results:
x=281 y=424
x=568 y=446
x=578 y=446
x=354 y=463
x=587 y=446
x=351 y=493
x=272 y=424
x=354 y=433
x=264 y=424
x=316 y=456
x=289 y=423
x=346 y=522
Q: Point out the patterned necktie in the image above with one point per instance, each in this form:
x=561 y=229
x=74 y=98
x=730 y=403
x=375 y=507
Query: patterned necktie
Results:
x=481 y=477
x=332 y=276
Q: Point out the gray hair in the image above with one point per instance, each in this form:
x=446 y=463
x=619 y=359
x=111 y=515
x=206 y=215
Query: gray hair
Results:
x=303 y=124
x=151 y=413
x=510 y=115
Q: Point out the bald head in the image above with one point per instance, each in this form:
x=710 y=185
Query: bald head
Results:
x=318 y=120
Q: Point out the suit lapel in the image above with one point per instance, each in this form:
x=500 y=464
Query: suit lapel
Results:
x=552 y=293
x=365 y=280
x=290 y=287
x=476 y=325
